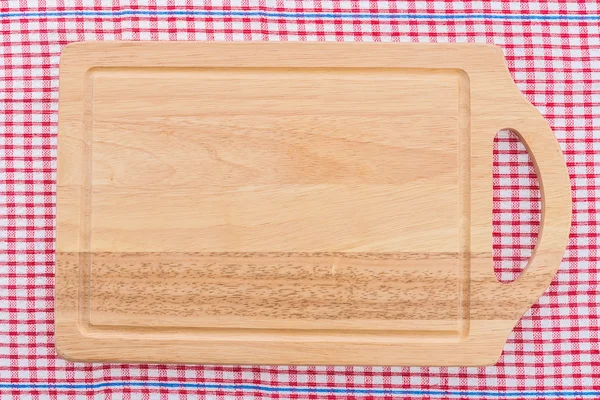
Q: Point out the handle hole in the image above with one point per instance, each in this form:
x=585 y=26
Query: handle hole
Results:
x=516 y=206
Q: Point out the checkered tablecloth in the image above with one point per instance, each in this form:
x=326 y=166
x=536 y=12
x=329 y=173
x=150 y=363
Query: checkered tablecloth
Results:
x=553 y=52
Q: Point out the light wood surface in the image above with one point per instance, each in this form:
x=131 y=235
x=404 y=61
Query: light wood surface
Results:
x=291 y=203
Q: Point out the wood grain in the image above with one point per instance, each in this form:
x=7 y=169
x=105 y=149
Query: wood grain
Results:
x=290 y=203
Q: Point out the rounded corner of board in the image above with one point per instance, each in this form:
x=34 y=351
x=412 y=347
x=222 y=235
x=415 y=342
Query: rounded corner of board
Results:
x=65 y=343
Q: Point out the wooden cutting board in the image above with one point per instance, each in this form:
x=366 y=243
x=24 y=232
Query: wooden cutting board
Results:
x=291 y=203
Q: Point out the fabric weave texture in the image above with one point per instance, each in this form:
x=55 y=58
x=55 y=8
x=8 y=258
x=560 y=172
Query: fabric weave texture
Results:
x=553 y=53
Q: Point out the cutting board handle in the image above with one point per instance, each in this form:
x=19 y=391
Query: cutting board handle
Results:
x=555 y=223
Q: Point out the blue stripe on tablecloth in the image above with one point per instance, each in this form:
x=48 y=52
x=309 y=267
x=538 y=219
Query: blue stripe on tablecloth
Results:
x=300 y=389
x=299 y=15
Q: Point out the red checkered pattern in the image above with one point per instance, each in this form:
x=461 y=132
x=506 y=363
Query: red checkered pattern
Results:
x=553 y=52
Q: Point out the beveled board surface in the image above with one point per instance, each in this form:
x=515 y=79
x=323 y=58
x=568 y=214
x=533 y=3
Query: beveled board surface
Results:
x=291 y=203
